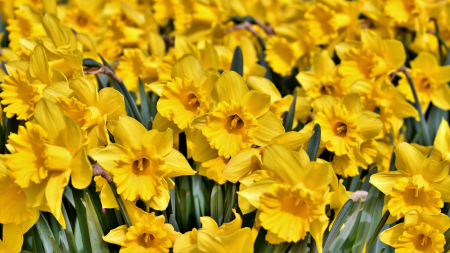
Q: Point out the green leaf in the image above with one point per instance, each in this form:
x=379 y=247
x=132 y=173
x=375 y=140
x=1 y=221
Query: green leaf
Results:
x=98 y=207
x=45 y=233
x=263 y=62
x=344 y=233
x=174 y=223
x=145 y=108
x=56 y=248
x=29 y=241
x=237 y=64
x=282 y=247
x=340 y=219
x=378 y=229
x=377 y=214
x=447 y=240
x=55 y=227
x=67 y=233
x=119 y=200
x=260 y=242
x=366 y=219
x=289 y=122
x=78 y=197
x=230 y=201
x=4 y=67
x=367 y=185
x=434 y=120
x=95 y=229
x=217 y=204
x=69 y=196
x=313 y=144
x=300 y=246
x=88 y=62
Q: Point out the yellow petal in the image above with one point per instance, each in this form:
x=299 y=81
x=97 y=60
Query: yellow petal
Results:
x=323 y=65
x=265 y=86
x=293 y=140
x=58 y=89
x=54 y=191
x=369 y=124
x=56 y=32
x=229 y=86
x=162 y=141
x=162 y=124
x=86 y=90
x=108 y=155
x=318 y=227
x=157 y=87
x=27 y=224
x=269 y=127
x=440 y=96
x=188 y=67
x=391 y=235
x=434 y=171
x=241 y=164
x=39 y=67
x=12 y=238
x=323 y=101
x=385 y=181
x=51 y=118
x=440 y=221
x=442 y=187
x=202 y=151
x=426 y=62
x=176 y=162
x=107 y=197
x=161 y=203
x=408 y=159
x=117 y=235
x=186 y=243
x=317 y=176
x=441 y=74
x=200 y=121
x=111 y=103
x=257 y=103
x=394 y=53
x=156 y=44
x=240 y=241
x=183 y=46
x=255 y=190
x=209 y=224
x=281 y=161
x=129 y=132
x=352 y=102
x=442 y=140
x=210 y=56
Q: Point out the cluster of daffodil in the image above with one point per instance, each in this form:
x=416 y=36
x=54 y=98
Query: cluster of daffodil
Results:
x=224 y=126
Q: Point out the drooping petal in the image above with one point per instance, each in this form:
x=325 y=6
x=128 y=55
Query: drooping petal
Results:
x=352 y=102
x=408 y=159
x=440 y=96
x=269 y=127
x=265 y=86
x=391 y=235
x=434 y=171
x=239 y=241
x=51 y=118
x=241 y=164
x=12 y=238
x=385 y=181
x=54 y=191
x=322 y=102
x=177 y=163
x=318 y=227
x=86 y=91
x=253 y=192
x=281 y=161
x=108 y=156
x=117 y=235
x=162 y=124
x=111 y=103
x=188 y=67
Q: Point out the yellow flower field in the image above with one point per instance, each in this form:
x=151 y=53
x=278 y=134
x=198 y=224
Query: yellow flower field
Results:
x=295 y=126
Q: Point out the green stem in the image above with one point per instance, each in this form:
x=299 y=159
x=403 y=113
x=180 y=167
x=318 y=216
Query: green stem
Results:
x=426 y=134
x=378 y=229
x=123 y=210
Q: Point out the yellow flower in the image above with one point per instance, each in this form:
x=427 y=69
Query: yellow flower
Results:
x=407 y=12
x=229 y=237
x=419 y=183
x=135 y=64
x=163 y=11
x=420 y=232
x=323 y=79
x=295 y=206
x=142 y=162
x=282 y=55
x=45 y=154
x=361 y=155
x=441 y=150
x=239 y=118
x=430 y=81
x=187 y=95
x=24 y=25
x=392 y=105
x=92 y=109
x=250 y=55
x=147 y=234
x=343 y=123
x=12 y=239
x=278 y=104
x=324 y=23
x=212 y=169
x=370 y=58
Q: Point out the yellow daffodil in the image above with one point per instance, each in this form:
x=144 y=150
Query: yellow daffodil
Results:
x=187 y=95
x=441 y=150
x=24 y=25
x=142 y=162
x=278 y=104
x=45 y=154
x=239 y=118
x=323 y=79
x=420 y=232
x=147 y=234
x=406 y=13
x=282 y=55
x=229 y=237
x=419 y=183
x=324 y=23
x=370 y=58
x=91 y=109
x=12 y=239
x=344 y=124
x=295 y=206
x=392 y=105
x=430 y=81
x=360 y=155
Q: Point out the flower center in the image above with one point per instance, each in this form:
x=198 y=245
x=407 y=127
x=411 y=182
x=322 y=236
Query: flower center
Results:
x=148 y=238
x=140 y=165
x=326 y=90
x=424 y=84
x=235 y=122
x=341 y=129
x=193 y=100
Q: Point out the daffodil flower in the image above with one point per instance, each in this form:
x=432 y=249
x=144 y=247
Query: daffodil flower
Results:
x=239 y=118
x=420 y=232
x=291 y=208
x=419 y=183
x=430 y=80
x=45 y=154
x=23 y=25
x=371 y=57
x=229 y=237
x=142 y=162
x=148 y=233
